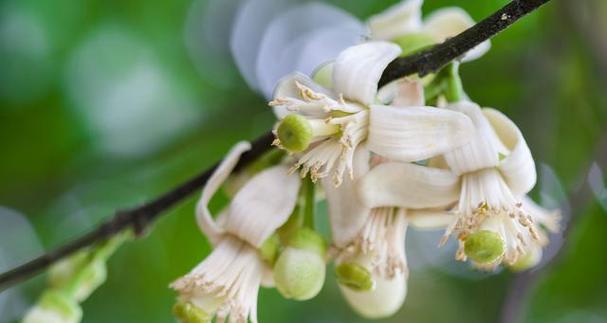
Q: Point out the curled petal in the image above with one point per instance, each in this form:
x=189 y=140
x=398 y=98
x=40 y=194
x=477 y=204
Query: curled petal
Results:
x=287 y=88
x=263 y=205
x=346 y=214
x=400 y=19
x=203 y=216
x=358 y=69
x=402 y=93
x=430 y=219
x=448 y=22
x=518 y=167
x=288 y=33
x=408 y=186
x=416 y=133
x=483 y=150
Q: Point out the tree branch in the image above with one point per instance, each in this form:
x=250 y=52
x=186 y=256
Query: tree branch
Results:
x=432 y=59
x=139 y=218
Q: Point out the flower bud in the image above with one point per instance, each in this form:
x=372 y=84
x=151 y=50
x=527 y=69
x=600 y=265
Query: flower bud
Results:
x=299 y=272
x=89 y=278
x=484 y=246
x=295 y=133
x=187 y=312
x=54 y=307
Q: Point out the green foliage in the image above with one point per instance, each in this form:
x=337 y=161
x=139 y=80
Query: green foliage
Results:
x=540 y=72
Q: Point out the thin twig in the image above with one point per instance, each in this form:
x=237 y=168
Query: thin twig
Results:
x=431 y=60
x=141 y=217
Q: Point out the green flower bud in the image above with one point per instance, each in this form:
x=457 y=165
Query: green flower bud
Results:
x=354 y=276
x=299 y=272
x=187 y=312
x=61 y=273
x=413 y=42
x=484 y=246
x=87 y=280
x=54 y=306
x=308 y=239
x=295 y=133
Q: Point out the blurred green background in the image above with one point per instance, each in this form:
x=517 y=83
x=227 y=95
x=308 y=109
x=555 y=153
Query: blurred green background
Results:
x=105 y=104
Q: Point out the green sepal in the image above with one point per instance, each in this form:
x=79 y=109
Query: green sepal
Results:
x=308 y=239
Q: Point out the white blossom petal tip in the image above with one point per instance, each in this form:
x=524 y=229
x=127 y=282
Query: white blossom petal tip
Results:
x=358 y=69
x=408 y=185
x=262 y=205
x=518 y=166
x=416 y=133
x=203 y=216
x=401 y=18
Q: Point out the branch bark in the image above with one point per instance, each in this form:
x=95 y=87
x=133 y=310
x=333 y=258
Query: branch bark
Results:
x=139 y=218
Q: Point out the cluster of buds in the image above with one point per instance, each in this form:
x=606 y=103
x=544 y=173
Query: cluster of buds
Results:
x=73 y=280
x=416 y=153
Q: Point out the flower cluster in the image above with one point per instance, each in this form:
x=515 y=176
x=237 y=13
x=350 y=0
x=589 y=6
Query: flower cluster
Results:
x=415 y=153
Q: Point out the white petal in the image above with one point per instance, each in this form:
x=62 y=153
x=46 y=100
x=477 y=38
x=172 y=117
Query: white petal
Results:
x=518 y=168
x=448 y=22
x=484 y=148
x=288 y=32
x=287 y=88
x=250 y=24
x=402 y=93
x=346 y=214
x=263 y=205
x=358 y=69
x=384 y=300
x=416 y=133
x=430 y=219
x=400 y=19
x=407 y=185
x=203 y=216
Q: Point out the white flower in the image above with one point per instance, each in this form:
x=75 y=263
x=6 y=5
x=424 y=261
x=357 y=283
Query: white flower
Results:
x=326 y=126
x=372 y=269
x=369 y=221
x=402 y=23
x=226 y=283
x=496 y=169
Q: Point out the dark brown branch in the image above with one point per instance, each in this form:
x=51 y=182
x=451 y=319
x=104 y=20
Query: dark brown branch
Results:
x=432 y=59
x=141 y=217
